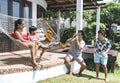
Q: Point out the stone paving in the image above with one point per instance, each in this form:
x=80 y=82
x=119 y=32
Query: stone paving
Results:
x=13 y=62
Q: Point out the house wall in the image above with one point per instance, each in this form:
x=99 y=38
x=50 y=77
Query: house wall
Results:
x=15 y=8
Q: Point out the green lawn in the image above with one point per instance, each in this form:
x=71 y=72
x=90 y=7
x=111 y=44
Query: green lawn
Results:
x=88 y=77
x=118 y=59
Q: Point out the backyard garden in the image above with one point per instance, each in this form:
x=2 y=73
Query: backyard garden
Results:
x=109 y=15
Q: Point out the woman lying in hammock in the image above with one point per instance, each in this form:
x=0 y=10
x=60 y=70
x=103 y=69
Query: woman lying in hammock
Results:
x=23 y=35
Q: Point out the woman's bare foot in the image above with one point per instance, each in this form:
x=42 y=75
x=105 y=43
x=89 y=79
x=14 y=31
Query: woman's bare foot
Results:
x=35 y=66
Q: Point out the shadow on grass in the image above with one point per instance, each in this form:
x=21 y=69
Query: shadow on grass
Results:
x=87 y=76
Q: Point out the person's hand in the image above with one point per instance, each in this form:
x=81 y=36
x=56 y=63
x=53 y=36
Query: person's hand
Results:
x=104 y=54
x=76 y=38
x=74 y=35
x=68 y=40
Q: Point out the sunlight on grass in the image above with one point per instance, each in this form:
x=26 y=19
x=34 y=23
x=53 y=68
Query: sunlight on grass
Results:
x=118 y=59
x=88 y=77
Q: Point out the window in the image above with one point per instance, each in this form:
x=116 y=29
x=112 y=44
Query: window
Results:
x=40 y=12
x=27 y=10
x=16 y=9
x=4 y=6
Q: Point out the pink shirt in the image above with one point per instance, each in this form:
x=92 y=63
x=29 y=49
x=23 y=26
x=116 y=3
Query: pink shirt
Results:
x=34 y=38
x=25 y=36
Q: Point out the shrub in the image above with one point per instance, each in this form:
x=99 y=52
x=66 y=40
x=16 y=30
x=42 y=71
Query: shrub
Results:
x=66 y=33
x=88 y=34
x=90 y=31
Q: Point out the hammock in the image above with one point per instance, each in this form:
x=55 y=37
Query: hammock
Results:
x=7 y=26
x=16 y=41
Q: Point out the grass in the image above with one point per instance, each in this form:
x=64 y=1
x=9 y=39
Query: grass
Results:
x=88 y=77
x=118 y=59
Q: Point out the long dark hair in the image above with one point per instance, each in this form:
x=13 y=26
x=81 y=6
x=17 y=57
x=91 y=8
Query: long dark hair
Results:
x=17 y=23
